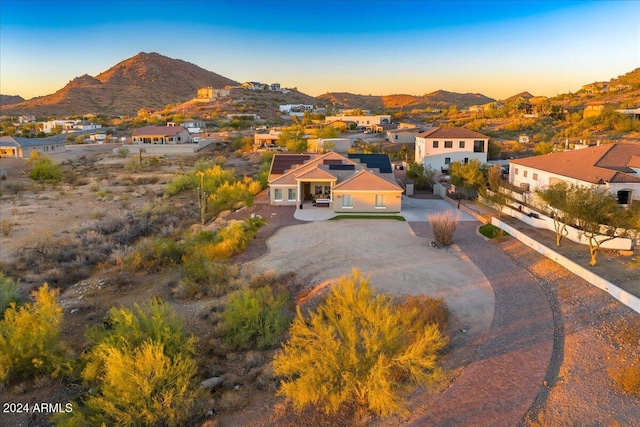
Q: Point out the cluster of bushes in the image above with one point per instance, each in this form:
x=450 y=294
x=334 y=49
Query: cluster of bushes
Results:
x=218 y=187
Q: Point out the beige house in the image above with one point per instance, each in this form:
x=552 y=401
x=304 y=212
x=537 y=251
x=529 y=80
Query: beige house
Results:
x=18 y=147
x=161 y=135
x=362 y=183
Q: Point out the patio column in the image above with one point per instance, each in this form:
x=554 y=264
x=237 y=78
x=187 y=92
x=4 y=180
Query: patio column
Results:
x=298 y=197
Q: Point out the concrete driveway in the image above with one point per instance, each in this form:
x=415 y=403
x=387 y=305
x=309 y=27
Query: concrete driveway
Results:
x=420 y=209
x=397 y=260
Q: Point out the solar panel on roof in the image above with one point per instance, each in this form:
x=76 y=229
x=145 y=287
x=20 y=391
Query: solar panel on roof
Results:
x=283 y=162
x=332 y=162
x=342 y=167
x=374 y=161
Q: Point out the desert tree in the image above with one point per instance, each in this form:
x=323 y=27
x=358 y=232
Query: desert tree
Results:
x=355 y=349
x=553 y=199
x=598 y=215
x=469 y=176
x=497 y=197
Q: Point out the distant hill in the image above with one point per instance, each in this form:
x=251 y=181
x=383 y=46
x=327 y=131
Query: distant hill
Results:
x=437 y=99
x=147 y=80
x=523 y=95
x=631 y=78
x=10 y=99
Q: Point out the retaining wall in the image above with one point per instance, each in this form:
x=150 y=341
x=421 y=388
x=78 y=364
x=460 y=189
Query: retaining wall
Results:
x=621 y=295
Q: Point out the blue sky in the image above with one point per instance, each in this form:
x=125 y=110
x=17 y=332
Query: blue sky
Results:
x=497 y=48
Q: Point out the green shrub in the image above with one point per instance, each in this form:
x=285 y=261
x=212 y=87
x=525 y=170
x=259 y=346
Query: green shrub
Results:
x=203 y=277
x=123 y=152
x=44 y=169
x=255 y=317
x=141 y=368
x=355 y=349
x=30 y=338
x=178 y=184
x=8 y=292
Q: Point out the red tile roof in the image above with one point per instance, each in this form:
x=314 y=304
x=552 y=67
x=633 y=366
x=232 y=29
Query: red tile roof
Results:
x=597 y=165
x=158 y=131
x=451 y=132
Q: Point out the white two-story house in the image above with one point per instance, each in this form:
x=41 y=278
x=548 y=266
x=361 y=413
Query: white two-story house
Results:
x=615 y=167
x=439 y=147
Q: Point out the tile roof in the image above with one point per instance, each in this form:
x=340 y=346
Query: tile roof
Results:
x=158 y=130
x=451 y=132
x=333 y=167
x=597 y=165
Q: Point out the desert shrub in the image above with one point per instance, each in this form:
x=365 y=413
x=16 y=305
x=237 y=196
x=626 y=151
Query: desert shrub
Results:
x=43 y=169
x=420 y=311
x=355 y=349
x=255 y=317
x=231 y=240
x=153 y=254
x=8 y=292
x=14 y=187
x=229 y=194
x=6 y=226
x=203 y=277
x=30 y=338
x=443 y=226
x=141 y=368
x=625 y=370
x=178 y=184
x=123 y=152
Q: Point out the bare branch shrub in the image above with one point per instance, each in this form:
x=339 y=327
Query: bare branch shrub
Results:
x=443 y=226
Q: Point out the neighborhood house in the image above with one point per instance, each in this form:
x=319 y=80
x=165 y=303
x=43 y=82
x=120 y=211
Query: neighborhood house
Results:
x=14 y=146
x=614 y=166
x=161 y=135
x=362 y=183
x=439 y=147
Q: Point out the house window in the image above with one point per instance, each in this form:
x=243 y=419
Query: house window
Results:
x=435 y=144
x=327 y=190
x=291 y=194
x=535 y=176
x=380 y=201
x=461 y=144
x=448 y=144
x=318 y=189
x=478 y=146
x=466 y=160
x=515 y=171
x=525 y=173
x=623 y=197
x=277 y=194
x=447 y=160
x=347 y=201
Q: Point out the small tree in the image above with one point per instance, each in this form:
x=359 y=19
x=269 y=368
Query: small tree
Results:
x=422 y=176
x=597 y=214
x=543 y=148
x=43 y=169
x=355 y=348
x=497 y=198
x=468 y=176
x=554 y=200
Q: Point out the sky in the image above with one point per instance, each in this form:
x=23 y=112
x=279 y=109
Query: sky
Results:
x=497 y=48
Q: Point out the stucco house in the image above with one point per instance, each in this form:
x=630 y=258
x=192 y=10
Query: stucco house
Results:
x=615 y=167
x=441 y=146
x=161 y=135
x=361 y=121
x=14 y=146
x=353 y=183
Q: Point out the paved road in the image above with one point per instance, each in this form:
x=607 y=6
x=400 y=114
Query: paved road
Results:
x=509 y=368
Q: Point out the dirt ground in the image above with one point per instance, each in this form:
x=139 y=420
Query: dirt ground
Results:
x=580 y=390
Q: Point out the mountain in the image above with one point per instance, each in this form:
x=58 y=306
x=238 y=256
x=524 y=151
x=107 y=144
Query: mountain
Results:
x=147 y=80
x=437 y=99
x=10 y=99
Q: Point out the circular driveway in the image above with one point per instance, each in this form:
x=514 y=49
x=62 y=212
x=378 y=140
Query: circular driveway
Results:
x=397 y=261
